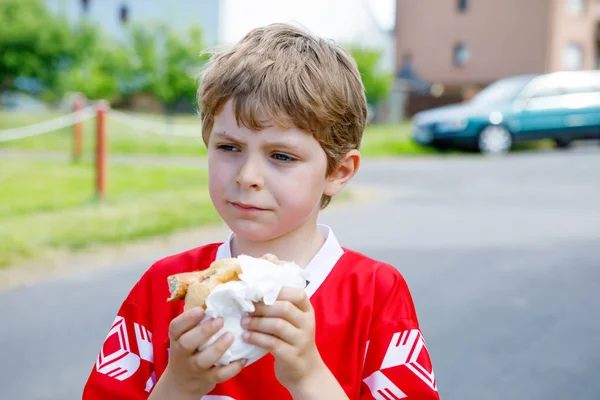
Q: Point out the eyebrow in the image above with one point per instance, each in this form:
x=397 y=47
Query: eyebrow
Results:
x=226 y=136
x=281 y=144
x=270 y=143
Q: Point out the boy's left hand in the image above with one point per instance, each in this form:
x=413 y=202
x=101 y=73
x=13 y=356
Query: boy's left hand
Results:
x=286 y=329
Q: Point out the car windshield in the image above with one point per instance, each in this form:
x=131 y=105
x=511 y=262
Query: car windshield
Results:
x=501 y=91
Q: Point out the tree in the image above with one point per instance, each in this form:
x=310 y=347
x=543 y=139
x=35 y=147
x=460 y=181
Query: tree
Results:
x=103 y=66
x=181 y=65
x=100 y=76
x=165 y=64
x=46 y=52
x=377 y=83
x=34 y=43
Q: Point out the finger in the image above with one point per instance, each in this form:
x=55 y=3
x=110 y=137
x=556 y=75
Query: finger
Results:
x=280 y=309
x=198 y=336
x=272 y=326
x=213 y=353
x=226 y=372
x=184 y=322
x=296 y=296
x=270 y=343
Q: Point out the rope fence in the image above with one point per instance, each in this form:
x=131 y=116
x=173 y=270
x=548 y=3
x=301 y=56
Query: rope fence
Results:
x=48 y=126
x=136 y=123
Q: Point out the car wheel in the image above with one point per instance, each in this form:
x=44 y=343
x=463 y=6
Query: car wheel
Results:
x=562 y=143
x=494 y=139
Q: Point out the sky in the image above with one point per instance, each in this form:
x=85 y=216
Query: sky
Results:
x=365 y=22
x=337 y=19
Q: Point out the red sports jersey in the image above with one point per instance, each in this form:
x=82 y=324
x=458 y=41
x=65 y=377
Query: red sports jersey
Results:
x=366 y=331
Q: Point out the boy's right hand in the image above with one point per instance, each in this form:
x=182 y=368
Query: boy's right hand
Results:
x=191 y=373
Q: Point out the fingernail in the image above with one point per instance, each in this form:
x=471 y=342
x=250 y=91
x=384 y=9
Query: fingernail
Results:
x=197 y=312
x=217 y=322
x=246 y=335
x=245 y=321
x=244 y=362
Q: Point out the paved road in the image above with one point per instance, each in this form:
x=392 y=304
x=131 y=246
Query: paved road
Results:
x=502 y=256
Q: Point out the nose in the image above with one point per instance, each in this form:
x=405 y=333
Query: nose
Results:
x=250 y=174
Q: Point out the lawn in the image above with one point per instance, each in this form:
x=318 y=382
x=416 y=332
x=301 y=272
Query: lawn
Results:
x=51 y=205
x=379 y=140
x=391 y=140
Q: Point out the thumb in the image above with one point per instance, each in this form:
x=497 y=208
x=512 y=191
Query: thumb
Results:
x=224 y=373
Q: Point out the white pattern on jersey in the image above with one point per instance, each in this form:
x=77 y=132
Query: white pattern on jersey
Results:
x=404 y=349
x=144 y=342
x=382 y=388
x=122 y=363
x=151 y=382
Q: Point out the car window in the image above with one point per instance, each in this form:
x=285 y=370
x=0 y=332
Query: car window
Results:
x=544 y=86
x=549 y=91
x=501 y=90
x=584 y=83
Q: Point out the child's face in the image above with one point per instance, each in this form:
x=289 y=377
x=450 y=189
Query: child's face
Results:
x=265 y=184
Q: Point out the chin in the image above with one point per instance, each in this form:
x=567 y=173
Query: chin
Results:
x=253 y=231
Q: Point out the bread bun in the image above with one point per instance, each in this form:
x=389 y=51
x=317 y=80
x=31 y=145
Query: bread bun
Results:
x=195 y=287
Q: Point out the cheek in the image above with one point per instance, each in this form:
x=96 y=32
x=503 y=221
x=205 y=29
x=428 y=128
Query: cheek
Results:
x=217 y=174
x=300 y=190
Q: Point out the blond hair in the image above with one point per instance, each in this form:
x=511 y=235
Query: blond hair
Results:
x=293 y=79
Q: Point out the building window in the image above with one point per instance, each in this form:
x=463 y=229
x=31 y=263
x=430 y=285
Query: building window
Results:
x=124 y=14
x=462 y=55
x=576 y=7
x=85 y=6
x=572 y=57
x=463 y=5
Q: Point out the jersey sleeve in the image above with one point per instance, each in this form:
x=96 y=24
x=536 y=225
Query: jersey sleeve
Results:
x=124 y=368
x=397 y=363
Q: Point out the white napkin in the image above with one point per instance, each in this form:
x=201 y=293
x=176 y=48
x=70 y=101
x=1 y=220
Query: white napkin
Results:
x=261 y=280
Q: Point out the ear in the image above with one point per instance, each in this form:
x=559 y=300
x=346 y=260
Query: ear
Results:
x=345 y=170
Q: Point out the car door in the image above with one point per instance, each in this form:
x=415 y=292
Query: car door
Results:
x=582 y=102
x=540 y=111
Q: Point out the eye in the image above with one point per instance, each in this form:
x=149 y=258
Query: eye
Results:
x=283 y=157
x=228 y=147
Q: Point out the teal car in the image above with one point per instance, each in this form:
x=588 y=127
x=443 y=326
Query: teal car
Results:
x=562 y=106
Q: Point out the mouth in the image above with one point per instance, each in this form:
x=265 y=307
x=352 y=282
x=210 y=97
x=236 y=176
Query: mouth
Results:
x=246 y=206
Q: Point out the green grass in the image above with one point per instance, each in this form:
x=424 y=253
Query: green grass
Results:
x=543 y=144
x=391 y=140
x=51 y=205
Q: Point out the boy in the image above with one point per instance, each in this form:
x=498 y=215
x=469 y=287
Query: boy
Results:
x=283 y=115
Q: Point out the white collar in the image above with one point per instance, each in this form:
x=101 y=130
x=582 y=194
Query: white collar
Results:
x=317 y=269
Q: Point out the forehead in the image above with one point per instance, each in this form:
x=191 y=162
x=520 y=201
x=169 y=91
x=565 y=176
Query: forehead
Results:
x=225 y=124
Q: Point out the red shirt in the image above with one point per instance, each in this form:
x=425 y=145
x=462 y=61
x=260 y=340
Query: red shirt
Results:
x=367 y=332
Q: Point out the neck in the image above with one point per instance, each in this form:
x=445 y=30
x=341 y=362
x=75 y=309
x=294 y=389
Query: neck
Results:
x=299 y=246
